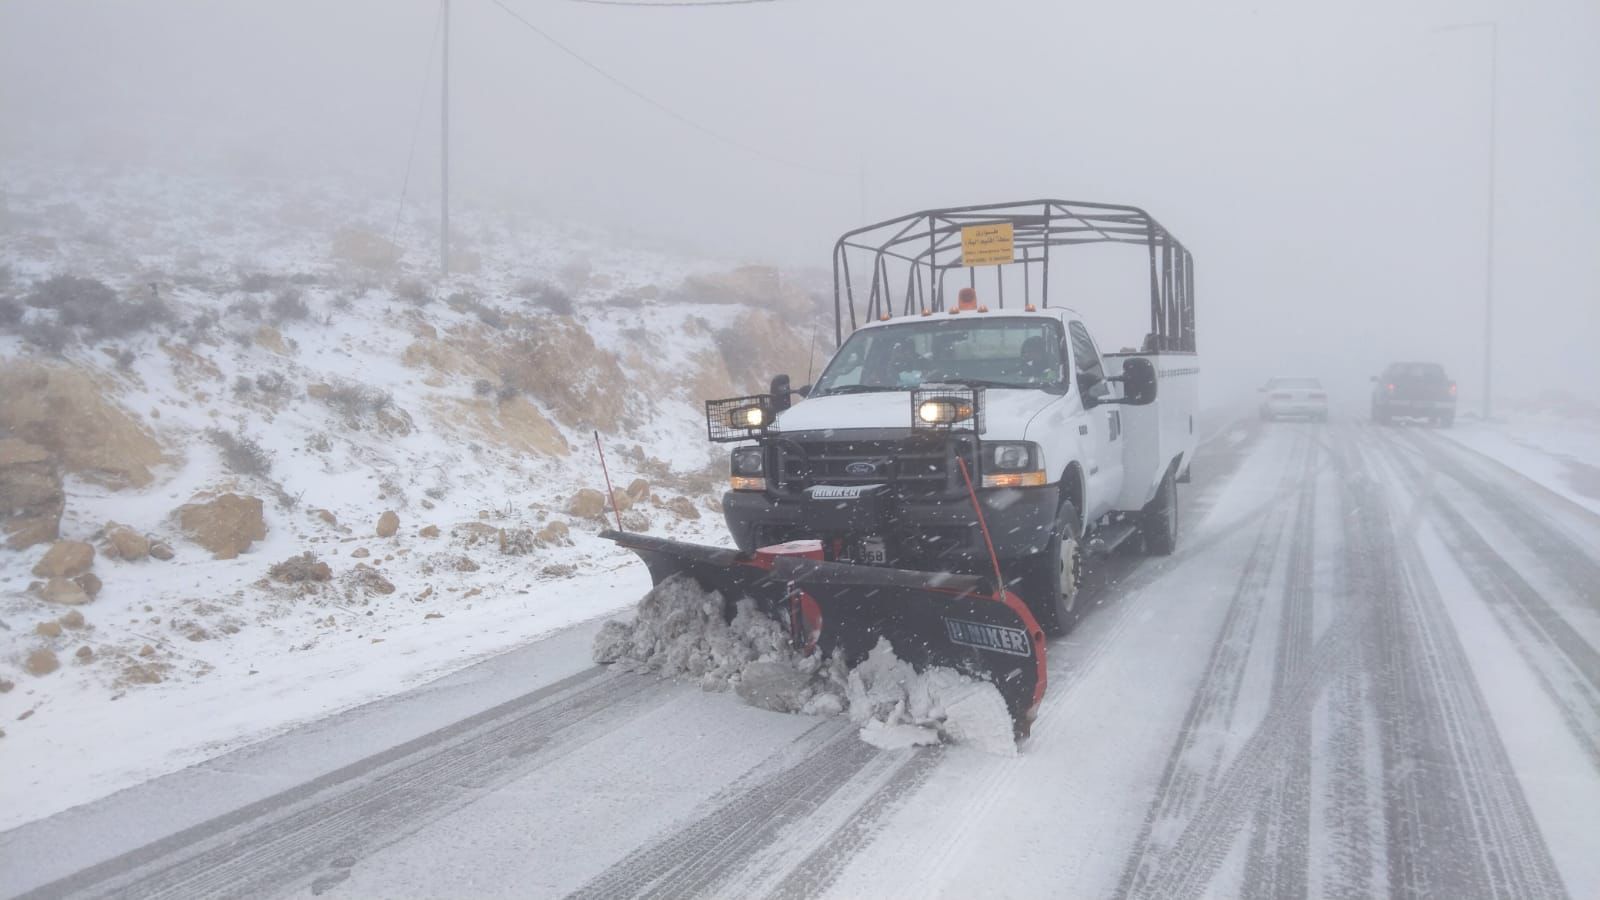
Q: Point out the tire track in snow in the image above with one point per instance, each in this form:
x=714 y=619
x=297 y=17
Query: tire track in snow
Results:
x=316 y=832
x=1565 y=557
x=1458 y=824
x=715 y=846
x=1192 y=768
x=1279 y=856
x=1566 y=666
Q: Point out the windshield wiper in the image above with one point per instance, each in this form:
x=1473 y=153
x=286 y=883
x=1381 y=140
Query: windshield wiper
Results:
x=984 y=383
x=854 y=389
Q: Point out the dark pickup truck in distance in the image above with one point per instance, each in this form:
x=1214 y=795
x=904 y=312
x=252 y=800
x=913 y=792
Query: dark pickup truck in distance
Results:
x=1414 y=390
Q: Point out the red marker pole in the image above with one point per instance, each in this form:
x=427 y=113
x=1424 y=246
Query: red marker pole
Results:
x=613 y=494
x=999 y=581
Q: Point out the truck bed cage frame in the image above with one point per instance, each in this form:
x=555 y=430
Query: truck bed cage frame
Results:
x=927 y=247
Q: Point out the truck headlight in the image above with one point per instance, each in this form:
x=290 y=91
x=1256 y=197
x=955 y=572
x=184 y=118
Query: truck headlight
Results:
x=747 y=466
x=1012 y=464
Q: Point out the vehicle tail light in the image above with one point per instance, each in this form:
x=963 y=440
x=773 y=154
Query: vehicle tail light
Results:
x=1452 y=388
x=1391 y=388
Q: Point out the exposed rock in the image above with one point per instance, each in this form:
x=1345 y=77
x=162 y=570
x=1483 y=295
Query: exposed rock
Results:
x=147 y=651
x=328 y=517
x=622 y=500
x=225 y=525
x=360 y=553
x=465 y=564
x=73 y=619
x=42 y=662
x=473 y=533
x=65 y=559
x=272 y=339
x=587 y=503
x=301 y=568
x=48 y=629
x=639 y=490
x=559 y=570
x=388 y=523
x=370 y=580
x=122 y=542
x=430 y=531
x=91 y=584
x=683 y=508
x=64 y=591
x=319 y=391
x=6 y=685
x=553 y=534
x=160 y=550
x=65 y=412
x=85 y=653
x=516 y=541
x=636 y=521
x=31 y=499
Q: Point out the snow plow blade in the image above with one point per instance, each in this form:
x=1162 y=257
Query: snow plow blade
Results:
x=931 y=619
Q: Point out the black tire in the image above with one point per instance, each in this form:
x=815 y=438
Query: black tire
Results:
x=1158 y=521
x=1048 y=581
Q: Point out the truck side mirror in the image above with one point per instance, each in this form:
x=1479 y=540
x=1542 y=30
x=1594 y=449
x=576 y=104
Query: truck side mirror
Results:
x=1138 y=381
x=781 y=391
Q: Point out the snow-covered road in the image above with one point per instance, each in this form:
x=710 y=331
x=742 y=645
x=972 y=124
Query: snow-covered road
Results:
x=1372 y=668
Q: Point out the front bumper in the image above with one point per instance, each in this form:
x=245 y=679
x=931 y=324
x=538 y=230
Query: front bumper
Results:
x=918 y=532
x=1296 y=408
x=1415 y=407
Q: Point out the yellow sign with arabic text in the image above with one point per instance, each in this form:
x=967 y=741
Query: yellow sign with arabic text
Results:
x=987 y=245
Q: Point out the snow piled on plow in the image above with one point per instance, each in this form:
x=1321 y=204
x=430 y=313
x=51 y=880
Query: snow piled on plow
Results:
x=679 y=633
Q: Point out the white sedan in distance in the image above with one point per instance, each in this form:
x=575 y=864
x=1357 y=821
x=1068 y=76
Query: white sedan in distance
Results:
x=1294 y=396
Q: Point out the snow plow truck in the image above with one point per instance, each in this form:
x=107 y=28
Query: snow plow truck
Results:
x=965 y=452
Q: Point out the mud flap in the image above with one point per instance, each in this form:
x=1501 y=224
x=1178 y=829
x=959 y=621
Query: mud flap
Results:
x=931 y=619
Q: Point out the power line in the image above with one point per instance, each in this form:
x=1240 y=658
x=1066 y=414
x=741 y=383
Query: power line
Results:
x=416 y=126
x=663 y=108
x=666 y=3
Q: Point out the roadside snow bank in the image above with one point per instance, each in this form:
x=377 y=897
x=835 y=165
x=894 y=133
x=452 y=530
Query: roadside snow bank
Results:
x=679 y=633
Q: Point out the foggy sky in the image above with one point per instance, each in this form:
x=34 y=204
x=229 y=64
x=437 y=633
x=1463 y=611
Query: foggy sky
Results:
x=1325 y=163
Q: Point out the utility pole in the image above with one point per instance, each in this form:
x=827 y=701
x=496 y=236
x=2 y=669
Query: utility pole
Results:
x=444 y=149
x=1488 y=254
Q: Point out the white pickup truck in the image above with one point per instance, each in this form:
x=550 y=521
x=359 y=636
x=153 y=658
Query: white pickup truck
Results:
x=1071 y=451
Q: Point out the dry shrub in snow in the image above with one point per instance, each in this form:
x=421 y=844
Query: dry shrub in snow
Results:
x=302 y=568
x=365 y=249
x=289 y=306
x=257 y=282
x=355 y=402
x=248 y=308
x=542 y=293
x=413 y=291
x=241 y=454
x=87 y=304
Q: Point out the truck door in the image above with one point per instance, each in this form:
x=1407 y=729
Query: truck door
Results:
x=1103 y=471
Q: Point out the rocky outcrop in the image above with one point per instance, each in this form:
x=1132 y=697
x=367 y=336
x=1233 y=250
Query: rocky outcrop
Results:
x=65 y=559
x=587 y=503
x=226 y=525
x=42 y=662
x=122 y=542
x=388 y=524
x=64 y=591
x=31 y=499
x=65 y=412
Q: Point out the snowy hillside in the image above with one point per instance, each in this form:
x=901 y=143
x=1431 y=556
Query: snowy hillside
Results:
x=237 y=374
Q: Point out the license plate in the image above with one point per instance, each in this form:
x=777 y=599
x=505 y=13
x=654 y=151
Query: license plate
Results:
x=872 y=551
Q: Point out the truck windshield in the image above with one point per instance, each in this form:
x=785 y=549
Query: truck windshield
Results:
x=1002 y=352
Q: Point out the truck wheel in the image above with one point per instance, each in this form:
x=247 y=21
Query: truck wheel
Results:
x=1446 y=420
x=1048 y=581
x=1158 y=521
